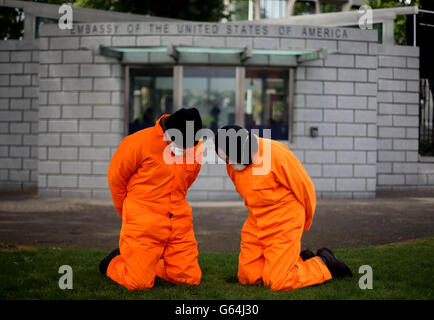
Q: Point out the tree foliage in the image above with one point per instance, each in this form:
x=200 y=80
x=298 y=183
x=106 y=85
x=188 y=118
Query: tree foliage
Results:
x=12 y=20
x=193 y=10
x=400 y=22
x=11 y=23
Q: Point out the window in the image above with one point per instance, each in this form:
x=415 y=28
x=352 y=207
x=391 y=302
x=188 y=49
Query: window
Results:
x=151 y=95
x=252 y=97
x=266 y=101
x=212 y=91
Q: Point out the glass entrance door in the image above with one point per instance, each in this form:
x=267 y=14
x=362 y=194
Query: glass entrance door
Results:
x=212 y=91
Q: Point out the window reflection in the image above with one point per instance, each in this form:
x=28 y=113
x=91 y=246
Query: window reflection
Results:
x=212 y=91
x=266 y=105
x=151 y=95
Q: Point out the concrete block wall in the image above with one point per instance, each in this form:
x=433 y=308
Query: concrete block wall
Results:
x=80 y=116
x=398 y=164
x=19 y=68
x=338 y=95
x=81 y=108
x=58 y=131
x=214 y=184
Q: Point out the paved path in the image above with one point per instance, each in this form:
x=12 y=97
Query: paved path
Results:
x=338 y=223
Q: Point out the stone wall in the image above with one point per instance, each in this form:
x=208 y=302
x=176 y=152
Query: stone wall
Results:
x=80 y=116
x=338 y=95
x=363 y=97
x=19 y=68
x=398 y=163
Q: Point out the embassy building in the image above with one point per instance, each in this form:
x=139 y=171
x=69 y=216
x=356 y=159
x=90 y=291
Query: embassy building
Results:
x=345 y=100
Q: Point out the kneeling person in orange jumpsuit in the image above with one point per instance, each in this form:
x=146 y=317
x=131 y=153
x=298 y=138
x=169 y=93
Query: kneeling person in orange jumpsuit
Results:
x=148 y=177
x=281 y=201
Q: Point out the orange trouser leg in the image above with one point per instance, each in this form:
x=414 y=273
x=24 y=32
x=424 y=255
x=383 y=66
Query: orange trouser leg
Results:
x=179 y=263
x=141 y=246
x=283 y=269
x=251 y=260
x=135 y=268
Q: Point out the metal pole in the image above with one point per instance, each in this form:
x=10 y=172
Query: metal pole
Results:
x=126 y=100
x=431 y=117
x=240 y=92
x=291 y=105
x=257 y=10
x=177 y=87
x=250 y=13
x=414 y=30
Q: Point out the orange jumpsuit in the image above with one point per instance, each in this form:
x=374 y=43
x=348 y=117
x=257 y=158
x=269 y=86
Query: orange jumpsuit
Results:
x=157 y=237
x=281 y=204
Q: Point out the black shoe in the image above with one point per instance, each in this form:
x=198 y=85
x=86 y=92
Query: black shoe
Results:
x=337 y=268
x=306 y=254
x=103 y=265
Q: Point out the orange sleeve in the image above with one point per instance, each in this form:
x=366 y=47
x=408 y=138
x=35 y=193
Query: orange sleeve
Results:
x=198 y=160
x=123 y=165
x=291 y=174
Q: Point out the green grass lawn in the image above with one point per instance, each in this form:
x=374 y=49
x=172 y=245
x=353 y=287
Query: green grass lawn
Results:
x=400 y=271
